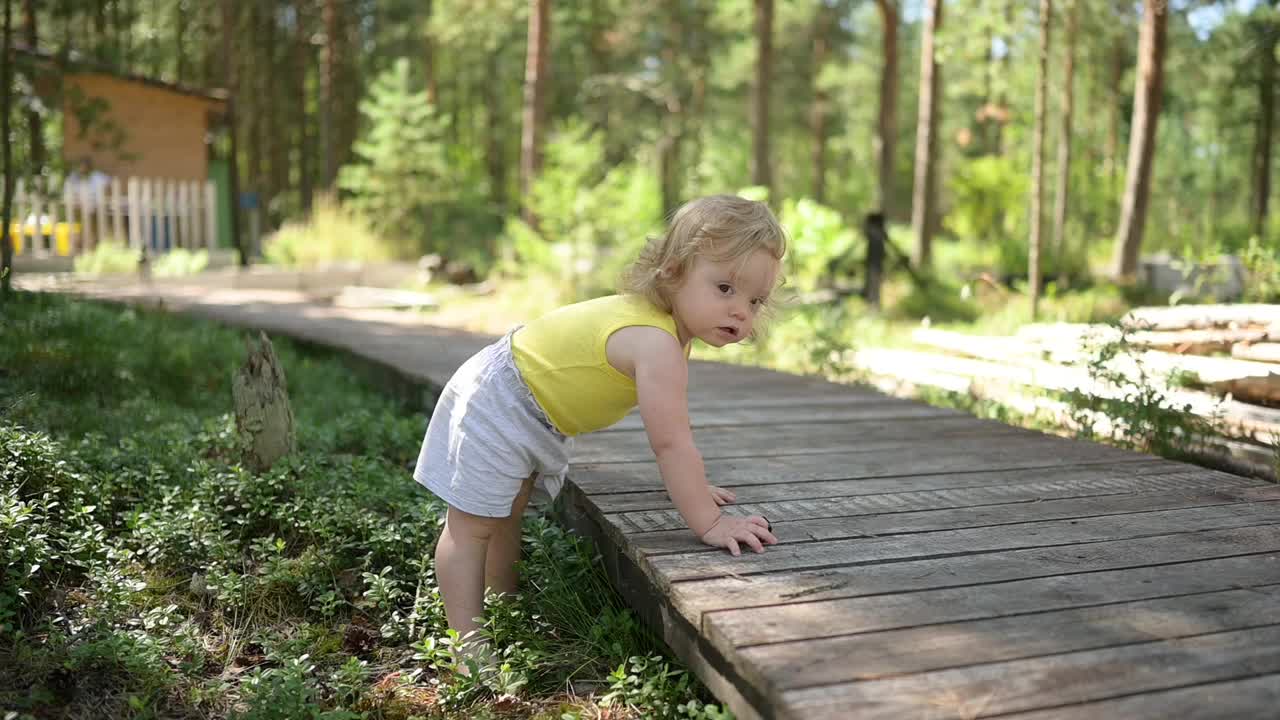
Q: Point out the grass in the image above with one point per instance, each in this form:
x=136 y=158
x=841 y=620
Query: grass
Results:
x=146 y=573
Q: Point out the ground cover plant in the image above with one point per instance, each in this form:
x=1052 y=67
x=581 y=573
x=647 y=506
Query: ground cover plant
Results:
x=147 y=574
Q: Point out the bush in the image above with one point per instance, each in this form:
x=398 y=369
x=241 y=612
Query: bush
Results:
x=332 y=233
x=180 y=262
x=107 y=258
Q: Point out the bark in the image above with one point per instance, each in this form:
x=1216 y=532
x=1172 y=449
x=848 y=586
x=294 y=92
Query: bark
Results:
x=35 y=124
x=263 y=416
x=821 y=103
x=495 y=158
x=761 y=172
x=1112 y=152
x=535 y=90
x=6 y=155
x=301 y=62
x=328 y=86
x=233 y=163
x=1037 y=159
x=1146 y=113
x=922 y=200
x=1262 y=146
x=429 y=52
x=887 y=124
x=1064 y=142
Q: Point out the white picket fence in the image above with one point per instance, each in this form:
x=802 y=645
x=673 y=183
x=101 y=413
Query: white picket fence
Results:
x=155 y=215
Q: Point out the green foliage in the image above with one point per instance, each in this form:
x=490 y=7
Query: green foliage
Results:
x=1141 y=415
x=107 y=258
x=332 y=233
x=592 y=219
x=989 y=193
x=402 y=171
x=164 y=579
x=818 y=238
x=1262 y=265
x=651 y=686
x=180 y=262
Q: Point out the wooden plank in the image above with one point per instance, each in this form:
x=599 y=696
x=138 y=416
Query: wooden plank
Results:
x=1159 y=492
x=770 y=440
x=795 y=414
x=939 y=645
x=833 y=553
x=1028 y=452
x=1030 y=684
x=694 y=599
x=1268 y=352
x=783 y=633
x=1226 y=700
x=813 y=501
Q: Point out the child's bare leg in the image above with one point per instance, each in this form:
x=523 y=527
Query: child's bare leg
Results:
x=504 y=546
x=460 y=566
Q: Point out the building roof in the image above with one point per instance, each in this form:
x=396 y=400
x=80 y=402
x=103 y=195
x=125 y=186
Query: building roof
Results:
x=76 y=63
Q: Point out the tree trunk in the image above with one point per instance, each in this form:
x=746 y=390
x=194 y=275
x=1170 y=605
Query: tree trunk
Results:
x=761 y=172
x=263 y=416
x=35 y=124
x=1037 y=160
x=535 y=90
x=1064 y=142
x=328 y=85
x=922 y=197
x=821 y=103
x=495 y=158
x=1142 y=140
x=887 y=125
x=429 y=53
x=1270 y=33
x=301 y=62
x=1112 y=152
x=6 y=88
x=233 y=163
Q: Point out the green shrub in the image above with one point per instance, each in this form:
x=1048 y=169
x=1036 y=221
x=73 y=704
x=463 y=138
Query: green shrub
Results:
x=107 y=258
x=180 y=262
x=332 y=233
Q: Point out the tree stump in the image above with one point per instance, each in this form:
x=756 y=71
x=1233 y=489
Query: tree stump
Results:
x=263 y=416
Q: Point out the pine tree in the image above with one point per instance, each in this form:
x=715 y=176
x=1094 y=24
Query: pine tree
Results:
x=400 y=177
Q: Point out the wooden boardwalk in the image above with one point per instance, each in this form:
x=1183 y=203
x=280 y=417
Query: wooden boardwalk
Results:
x=931 y=565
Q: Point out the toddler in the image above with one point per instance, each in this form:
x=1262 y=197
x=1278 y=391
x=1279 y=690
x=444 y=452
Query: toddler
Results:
x=505 y=421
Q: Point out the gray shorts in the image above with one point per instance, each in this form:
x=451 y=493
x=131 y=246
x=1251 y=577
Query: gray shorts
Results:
x=488 y=435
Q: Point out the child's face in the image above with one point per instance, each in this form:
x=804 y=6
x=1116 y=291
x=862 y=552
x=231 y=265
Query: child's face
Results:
x=718 y=301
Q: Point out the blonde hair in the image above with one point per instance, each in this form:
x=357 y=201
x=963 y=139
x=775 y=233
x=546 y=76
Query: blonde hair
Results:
x=717 y=227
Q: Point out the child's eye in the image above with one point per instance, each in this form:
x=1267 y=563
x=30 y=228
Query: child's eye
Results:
x=725 y=288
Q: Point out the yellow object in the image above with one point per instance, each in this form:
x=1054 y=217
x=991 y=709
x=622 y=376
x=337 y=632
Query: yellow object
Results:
x=19 y=232
x=561 y=356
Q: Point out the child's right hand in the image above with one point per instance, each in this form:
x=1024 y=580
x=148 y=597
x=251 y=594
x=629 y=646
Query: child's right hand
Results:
x=730 y=530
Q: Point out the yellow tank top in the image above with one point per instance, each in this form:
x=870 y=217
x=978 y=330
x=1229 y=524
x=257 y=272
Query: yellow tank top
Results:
x=561 y=356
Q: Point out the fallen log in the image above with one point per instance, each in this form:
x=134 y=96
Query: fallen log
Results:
x=1201 y=316
x=1268 y=352
x=892 y=375
x=1259 y=390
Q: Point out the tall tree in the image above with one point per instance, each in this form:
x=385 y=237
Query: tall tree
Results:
x=761 y=172
x=35 y=123
x=887 y=123
x=535 y=100
x=233 y=165
x=1148 y=87
x=1267 y=30
x=6 y=88
x=301 y=64
x=922 y=197
x=1062 y=194
x=1037 y=159
x=328 y=88
x=820 y=108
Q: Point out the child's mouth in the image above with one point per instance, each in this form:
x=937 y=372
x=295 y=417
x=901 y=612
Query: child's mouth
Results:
x=730 y=331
